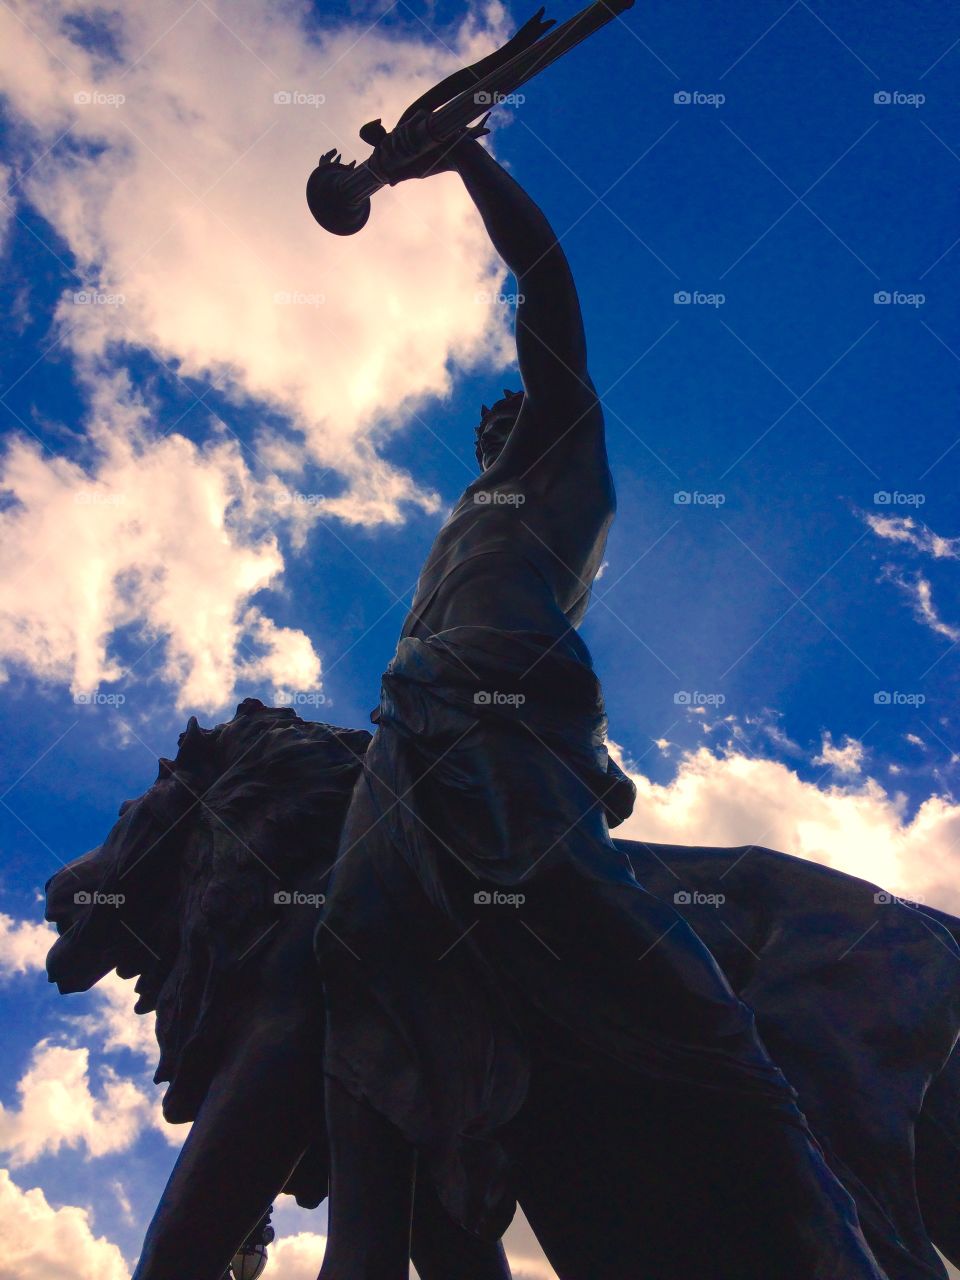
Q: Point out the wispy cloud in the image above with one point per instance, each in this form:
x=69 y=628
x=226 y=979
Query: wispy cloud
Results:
x=919 y=592
x=912 y=533
x=847 y=758
x=7 y=205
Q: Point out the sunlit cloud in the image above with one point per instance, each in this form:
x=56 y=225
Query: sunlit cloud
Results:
x=846 y=758
x=912 y=533
x=23 y=945
x=57 y=1108
x=728 y=798
x=168 y=150
x=40 y=1242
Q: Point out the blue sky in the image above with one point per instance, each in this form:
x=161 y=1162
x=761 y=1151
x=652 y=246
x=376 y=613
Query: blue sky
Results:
x=743 y=636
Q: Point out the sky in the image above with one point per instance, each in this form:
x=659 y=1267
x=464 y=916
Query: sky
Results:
x=229 y=439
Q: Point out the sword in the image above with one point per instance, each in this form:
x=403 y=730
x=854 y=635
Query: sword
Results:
x=339 y=194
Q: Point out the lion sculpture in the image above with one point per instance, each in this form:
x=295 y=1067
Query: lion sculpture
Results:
x=856 y=994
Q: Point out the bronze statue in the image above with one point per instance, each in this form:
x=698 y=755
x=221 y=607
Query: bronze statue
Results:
x=220 y=865
x=421 y=969
x=488 y=783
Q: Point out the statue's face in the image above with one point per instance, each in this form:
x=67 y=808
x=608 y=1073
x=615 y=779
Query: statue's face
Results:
x=497 y=426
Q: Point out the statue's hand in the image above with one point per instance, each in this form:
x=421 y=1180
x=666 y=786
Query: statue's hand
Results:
x=395 y=157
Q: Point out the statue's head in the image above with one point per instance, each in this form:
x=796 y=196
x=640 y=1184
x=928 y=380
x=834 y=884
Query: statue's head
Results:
x=495 y=426
x=186 y=888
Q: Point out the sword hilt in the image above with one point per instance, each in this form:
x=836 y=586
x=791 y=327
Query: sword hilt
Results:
x=339 y=195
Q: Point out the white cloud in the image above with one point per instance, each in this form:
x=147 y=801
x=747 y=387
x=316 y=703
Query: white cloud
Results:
x=7 y=205
x=297 y=1257
x=23 y=945
x=113 y=1024
x=123 y=1200
x=732 y=799
x=39 y=1242
x=57 y=1108
x=846 y=758
x=160 y=536
x=767 y=723
x=906 y=530
x=56 y=1089
x=192 y=206
x=919 y=592
x=183 y=203
x=527 y=1261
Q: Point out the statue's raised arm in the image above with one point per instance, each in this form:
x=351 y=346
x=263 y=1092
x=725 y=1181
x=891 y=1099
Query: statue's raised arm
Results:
x=545 y=497
x=551 y=346
x=559 y=394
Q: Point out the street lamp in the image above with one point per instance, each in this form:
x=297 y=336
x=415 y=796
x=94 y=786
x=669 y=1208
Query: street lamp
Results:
x=251 y=1258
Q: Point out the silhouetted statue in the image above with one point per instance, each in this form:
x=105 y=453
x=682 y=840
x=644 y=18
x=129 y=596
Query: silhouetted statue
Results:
x=488 y=783
x=500 y=1011
x=207 y=888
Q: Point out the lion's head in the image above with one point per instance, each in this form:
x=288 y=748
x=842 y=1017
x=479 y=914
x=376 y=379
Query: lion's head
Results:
x=182 y=891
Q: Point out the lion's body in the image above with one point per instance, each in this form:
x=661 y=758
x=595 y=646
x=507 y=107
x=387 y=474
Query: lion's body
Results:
x=857 y=1000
